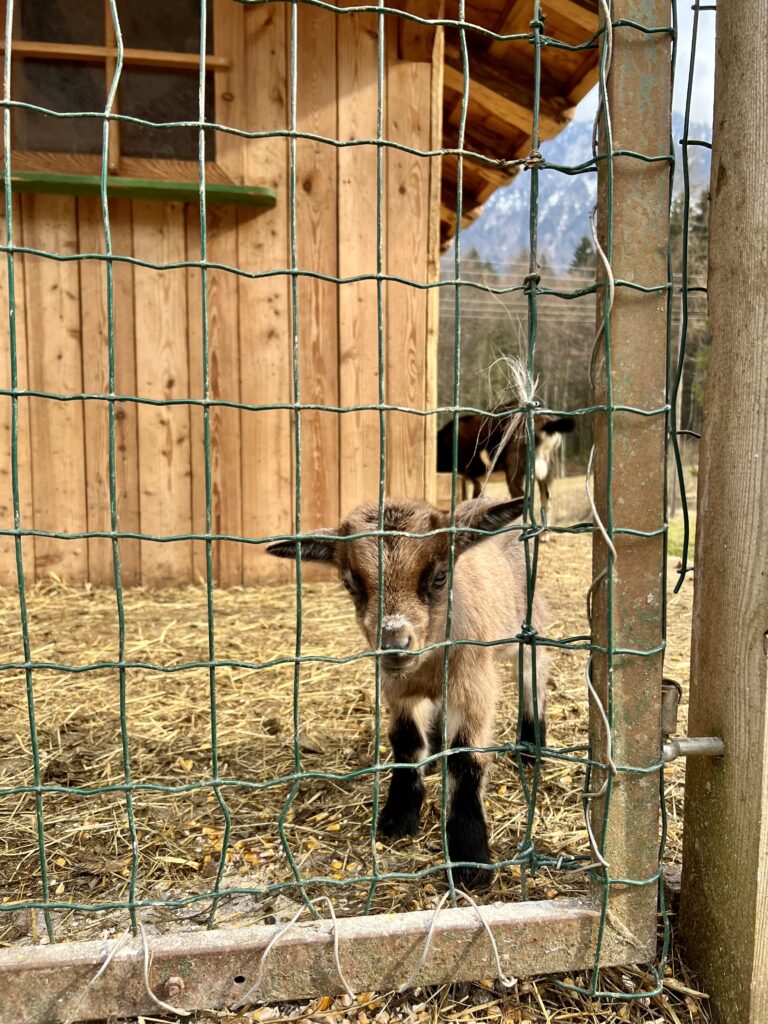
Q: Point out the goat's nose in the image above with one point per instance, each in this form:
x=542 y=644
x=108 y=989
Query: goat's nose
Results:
x=395 y=639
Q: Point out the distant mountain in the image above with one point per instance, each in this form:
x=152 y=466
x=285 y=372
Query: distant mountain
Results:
x=501 y=233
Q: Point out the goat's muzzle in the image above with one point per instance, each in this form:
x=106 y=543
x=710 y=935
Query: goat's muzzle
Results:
x=397 y=662
x=396 y=642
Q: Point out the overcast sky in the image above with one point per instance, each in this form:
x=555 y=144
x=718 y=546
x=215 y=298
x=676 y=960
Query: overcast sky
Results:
x=704 y=78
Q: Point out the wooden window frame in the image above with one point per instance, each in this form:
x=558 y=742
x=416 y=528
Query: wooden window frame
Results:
x=88 y=164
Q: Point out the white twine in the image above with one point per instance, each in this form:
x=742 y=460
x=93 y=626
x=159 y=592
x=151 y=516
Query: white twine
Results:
x=107 y=961
x=603 y=108
x=523 y=388
x=276 y=938
x=148 y=988
x=146 y=962
x=507 y=982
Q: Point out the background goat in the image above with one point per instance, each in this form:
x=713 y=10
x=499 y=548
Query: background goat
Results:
x=489 y=604
x=482 y=447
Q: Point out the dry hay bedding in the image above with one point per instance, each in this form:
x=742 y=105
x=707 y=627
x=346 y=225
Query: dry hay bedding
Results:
x=328 y=824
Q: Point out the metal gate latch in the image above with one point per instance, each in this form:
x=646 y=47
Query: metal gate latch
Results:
x=683 y=746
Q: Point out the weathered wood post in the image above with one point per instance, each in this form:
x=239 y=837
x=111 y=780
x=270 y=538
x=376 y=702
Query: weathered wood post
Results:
x=633 y=213
x=724 y=912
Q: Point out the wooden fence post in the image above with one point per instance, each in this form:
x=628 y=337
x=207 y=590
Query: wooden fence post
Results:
x=630 y=614
x=724 y=911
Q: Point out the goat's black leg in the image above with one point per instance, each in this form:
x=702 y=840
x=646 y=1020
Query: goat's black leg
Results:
x=400 y=816
x=528 y=735
x=434 y=741
x=466 y=826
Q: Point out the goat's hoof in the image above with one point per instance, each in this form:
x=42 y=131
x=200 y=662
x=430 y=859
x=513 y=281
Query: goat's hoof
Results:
x=397 y=825
x=473 y=878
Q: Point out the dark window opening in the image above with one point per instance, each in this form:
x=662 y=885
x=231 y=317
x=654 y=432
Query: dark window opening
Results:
x=158 y=95
x=80 y=84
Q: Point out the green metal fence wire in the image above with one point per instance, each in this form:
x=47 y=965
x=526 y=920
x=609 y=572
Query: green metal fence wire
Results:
x=528 y=857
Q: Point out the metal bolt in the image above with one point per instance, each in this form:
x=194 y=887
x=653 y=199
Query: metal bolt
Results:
x=173 y=987
x=693 y=746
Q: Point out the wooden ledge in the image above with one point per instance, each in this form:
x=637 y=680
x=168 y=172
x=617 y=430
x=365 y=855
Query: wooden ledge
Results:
x=47 y=183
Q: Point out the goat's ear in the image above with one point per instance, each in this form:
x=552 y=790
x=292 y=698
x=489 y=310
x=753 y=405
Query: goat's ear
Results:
x=314 y=550
x=482 y=514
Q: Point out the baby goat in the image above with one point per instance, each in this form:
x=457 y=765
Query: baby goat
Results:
x=489 y=602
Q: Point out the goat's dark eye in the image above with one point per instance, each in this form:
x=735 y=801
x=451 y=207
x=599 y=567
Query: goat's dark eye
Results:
x=438 y=580
x=354 y=586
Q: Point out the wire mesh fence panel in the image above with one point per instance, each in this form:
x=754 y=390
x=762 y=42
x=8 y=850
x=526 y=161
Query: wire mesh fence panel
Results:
x=201 y=740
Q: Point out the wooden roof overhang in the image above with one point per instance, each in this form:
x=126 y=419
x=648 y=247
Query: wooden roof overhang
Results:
x=499 y=121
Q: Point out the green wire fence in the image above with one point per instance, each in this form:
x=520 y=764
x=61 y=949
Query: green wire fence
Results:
x=528 y=857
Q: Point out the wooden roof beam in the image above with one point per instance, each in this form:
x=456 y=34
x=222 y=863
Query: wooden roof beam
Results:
x=516 y=17
x=449 y=194
x=585 y=79
x=416 y=41
x=498 y=92
x=478 y=139
x=579 y=12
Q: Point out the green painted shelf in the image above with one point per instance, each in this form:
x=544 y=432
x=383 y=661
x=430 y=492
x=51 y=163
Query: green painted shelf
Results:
x=45 y=183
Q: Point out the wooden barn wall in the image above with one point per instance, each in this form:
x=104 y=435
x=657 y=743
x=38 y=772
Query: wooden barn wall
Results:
x=61 y=323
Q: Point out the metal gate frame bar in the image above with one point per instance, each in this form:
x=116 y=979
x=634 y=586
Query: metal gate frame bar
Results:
x=618 y=925
x=48 y=984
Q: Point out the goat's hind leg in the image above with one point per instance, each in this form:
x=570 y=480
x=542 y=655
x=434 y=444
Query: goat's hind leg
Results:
x=400 y=816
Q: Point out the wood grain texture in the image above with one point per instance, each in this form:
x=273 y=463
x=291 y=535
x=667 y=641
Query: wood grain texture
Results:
x=317 y=251
x=433 y=261
x=170 y=59
x=162 y=372
x=230 y=100
x=8 y=572
x=93 y=290
x=416 y=41
x=55 y=365
x=265 y=318
x=409 y=87
x=130 y=166
x=224 y=383
x=639 y=92
x=358 y=319
x=158 y=313
x=497 y=91
x=724 y=907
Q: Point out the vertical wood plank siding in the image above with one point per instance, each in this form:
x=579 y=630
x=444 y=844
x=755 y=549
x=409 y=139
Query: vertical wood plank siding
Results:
x=61 y=323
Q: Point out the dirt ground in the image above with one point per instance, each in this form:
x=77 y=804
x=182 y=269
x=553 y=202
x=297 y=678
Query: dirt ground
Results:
x=327 y=824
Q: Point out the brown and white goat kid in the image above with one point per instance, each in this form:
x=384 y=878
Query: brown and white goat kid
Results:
x=489 y=604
